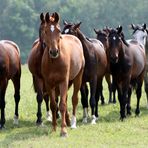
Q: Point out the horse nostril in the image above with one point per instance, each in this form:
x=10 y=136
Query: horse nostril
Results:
x=54 y=53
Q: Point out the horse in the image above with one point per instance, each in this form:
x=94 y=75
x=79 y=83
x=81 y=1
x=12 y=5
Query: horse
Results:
x=34 y=65
x=140 y=34
x=102 y=36
x=127 y=65
x=10 y=68
x=94 y=71
x=62 y=65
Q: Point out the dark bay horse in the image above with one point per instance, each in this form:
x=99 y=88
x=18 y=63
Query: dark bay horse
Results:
x=62 y=65
x=102 y=36
x=140 y=34
x=127 y=65
x=34 y=64
x=95 y=68
x=10 y=68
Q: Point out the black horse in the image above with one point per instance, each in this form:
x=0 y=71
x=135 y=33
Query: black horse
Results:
x=94 y=71
x=127 y=65
x=102 y=36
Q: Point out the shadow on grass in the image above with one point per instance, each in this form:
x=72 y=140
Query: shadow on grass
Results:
x=25 y=130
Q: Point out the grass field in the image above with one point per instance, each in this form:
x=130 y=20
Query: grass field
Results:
x=109 y=132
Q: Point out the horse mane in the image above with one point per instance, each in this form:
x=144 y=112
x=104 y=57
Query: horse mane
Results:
x=89 y=39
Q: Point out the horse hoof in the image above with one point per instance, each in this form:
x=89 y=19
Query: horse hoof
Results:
x=64 y=134
x=39 y=124
x=73 y=122
x=15 y=121
x=2 y=127
x=137 y=112
x=49 y=117
x=93 y=121
x=84 y=120
x=73 y=126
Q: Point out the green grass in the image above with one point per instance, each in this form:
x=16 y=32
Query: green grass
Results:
x=109 y=132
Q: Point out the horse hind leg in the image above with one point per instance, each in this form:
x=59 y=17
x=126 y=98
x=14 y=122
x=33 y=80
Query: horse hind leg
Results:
x=38 y=85
x=16 y=83
x=138 y=93
x=4 y=84
x=146 y=86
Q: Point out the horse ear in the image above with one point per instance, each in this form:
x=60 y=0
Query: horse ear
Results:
x=96 y=31
x=47 y=16
x=119 y=29
x=144 y=26
x=56 y=17
x=133 y=26
x=77 y=25
x=65 y=22
x=42 y=18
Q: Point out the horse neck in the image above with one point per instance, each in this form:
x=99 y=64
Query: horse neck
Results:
x=81 y=36
x=84 y=42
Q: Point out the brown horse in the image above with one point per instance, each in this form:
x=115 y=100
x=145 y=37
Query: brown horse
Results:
x=62 y=64
x=140 y=34
x=102 y=36
x=127 y=65
x=94 y=71
x=10 y=68
x=34 y=64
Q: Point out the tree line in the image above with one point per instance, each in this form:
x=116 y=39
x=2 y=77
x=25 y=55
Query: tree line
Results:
x=19 y=19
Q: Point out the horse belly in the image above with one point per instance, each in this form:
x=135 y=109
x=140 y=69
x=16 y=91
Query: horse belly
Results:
x=138 y=68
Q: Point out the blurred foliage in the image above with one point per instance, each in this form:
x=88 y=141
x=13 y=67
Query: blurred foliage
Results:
x=20 y=18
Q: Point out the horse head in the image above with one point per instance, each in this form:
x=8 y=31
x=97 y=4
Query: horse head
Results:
x=102 y=36
x=140 y=33
x=116 y=40
x=52 y=34
x=71 y=28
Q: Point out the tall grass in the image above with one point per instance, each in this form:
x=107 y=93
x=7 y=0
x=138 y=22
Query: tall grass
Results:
x=108 y=132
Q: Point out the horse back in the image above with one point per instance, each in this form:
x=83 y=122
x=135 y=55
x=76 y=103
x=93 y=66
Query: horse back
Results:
x=9 y=58
x=35 y=58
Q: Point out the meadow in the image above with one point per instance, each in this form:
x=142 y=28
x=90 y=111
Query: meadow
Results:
x=109 y=132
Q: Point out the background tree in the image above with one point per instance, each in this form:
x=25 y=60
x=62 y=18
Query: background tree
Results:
x=19 y=19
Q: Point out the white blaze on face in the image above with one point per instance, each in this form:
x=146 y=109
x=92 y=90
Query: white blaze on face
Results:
x=66 y=30
x=52 y=28
x=114 y=38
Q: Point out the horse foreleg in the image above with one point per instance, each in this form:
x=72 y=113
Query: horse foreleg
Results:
x=63 y=106
x=48 y=114
x=128 y=107
x=53 y=106
x=108 y=80
x=84 y=101
x=93 y=86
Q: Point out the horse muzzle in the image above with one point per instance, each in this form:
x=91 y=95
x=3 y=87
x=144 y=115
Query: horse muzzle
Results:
x=54 y=53
x=114 y=60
